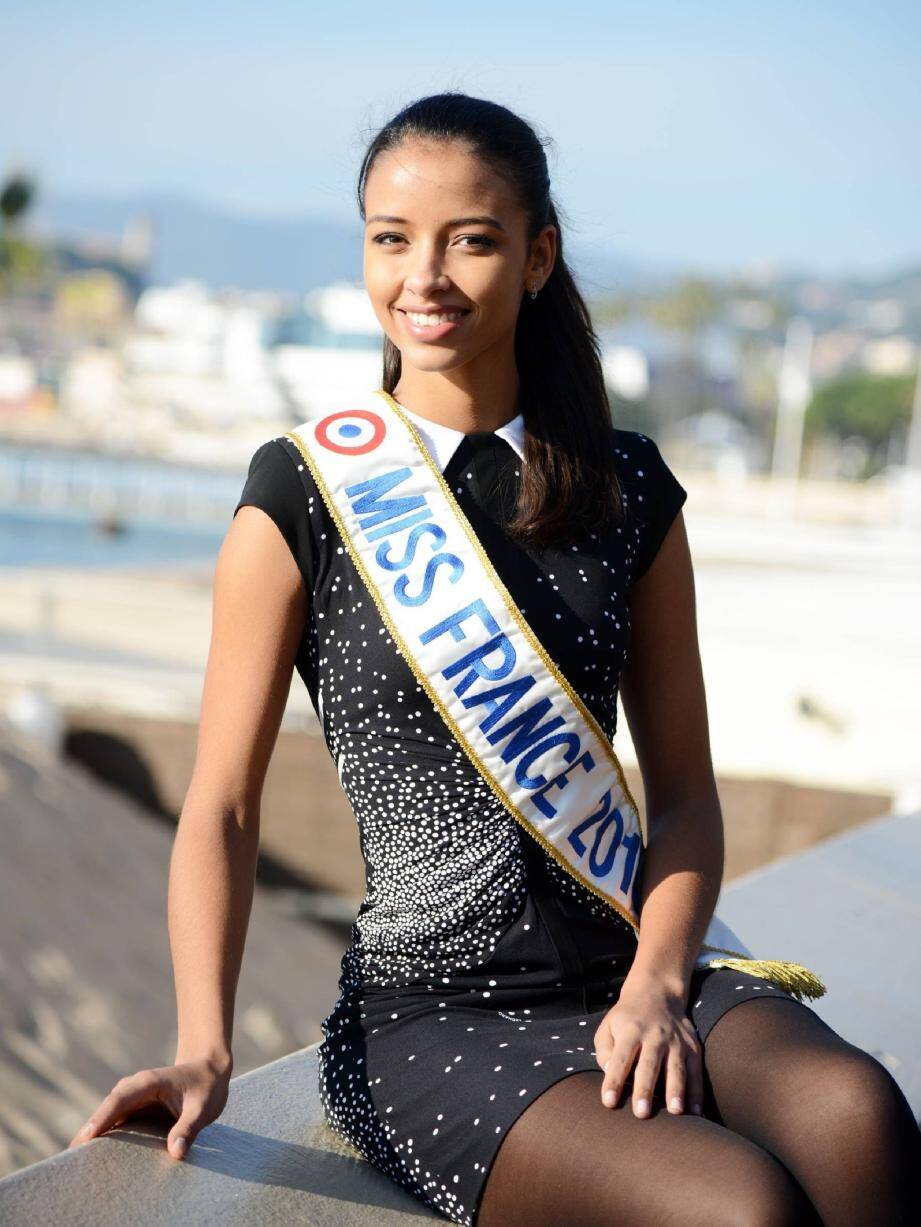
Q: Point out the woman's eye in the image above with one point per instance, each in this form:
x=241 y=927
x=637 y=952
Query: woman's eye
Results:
x=477 y=240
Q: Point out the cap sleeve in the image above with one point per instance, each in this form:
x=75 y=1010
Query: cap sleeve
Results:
x=274 y=484
x=657 y=496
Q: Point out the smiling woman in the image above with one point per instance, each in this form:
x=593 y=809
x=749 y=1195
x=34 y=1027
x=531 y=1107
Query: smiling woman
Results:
x=466 y=566
x=474 y=1052
x=460 y=224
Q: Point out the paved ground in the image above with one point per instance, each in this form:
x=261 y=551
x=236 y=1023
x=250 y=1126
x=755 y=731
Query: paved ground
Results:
x=86 y=988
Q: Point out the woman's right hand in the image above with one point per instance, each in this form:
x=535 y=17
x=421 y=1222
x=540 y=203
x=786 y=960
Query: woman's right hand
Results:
x=194 y=1092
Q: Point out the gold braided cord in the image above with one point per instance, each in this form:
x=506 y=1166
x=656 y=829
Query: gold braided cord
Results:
x=793 y=977
x=426 y=685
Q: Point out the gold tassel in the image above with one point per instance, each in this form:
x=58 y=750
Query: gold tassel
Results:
x=793 y=977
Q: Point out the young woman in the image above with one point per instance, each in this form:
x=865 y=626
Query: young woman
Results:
x=506 y=1046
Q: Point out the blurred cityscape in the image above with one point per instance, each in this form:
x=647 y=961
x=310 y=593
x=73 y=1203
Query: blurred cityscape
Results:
x=760 y=374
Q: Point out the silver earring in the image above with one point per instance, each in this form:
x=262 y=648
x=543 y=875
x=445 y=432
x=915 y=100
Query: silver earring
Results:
x=534 y=293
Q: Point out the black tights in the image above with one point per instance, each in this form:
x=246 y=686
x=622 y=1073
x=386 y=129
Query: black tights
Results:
x=799 y=1127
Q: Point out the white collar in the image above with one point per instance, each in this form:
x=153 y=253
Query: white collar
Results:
x=443 y=441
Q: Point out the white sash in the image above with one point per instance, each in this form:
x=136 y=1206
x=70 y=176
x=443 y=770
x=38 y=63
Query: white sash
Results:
x=452 y=619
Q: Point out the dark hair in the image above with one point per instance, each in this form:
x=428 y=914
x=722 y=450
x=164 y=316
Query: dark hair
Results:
x=569 y=482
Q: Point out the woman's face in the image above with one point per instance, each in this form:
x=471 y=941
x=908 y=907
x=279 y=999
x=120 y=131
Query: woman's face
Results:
x=445 y=234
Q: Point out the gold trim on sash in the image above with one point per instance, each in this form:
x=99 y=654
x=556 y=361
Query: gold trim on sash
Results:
x=548 y=663
x=794 y=977
x=424 y=682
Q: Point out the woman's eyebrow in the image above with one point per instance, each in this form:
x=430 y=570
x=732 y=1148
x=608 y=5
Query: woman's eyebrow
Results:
x=457 y=221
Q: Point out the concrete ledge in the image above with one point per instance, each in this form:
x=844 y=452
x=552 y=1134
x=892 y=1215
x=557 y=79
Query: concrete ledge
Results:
x=849 y=908
x=270 y=1158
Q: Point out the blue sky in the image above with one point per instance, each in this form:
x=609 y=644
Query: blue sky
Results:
x=717 y=135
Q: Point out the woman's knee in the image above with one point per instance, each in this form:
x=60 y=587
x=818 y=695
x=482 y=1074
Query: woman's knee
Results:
x=862 y=1095
x=754 y=1189
x=771 y=1198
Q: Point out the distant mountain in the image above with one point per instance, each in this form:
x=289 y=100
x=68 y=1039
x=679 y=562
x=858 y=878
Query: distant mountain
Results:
x=296 y=254
x=194 y=240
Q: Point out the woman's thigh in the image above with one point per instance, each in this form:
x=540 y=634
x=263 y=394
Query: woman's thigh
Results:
x=569 y=1161
x=831 y=1113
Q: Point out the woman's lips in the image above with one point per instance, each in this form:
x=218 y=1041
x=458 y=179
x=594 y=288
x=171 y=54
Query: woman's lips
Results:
x=431 y=332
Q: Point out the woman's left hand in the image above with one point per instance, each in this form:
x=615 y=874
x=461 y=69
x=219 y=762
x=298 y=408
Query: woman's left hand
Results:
x=649 y=1020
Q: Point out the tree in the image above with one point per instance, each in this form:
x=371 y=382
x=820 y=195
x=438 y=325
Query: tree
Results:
x=20 y=259
x=873 y=407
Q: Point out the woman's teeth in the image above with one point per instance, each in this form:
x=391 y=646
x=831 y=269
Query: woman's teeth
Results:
x=430 y=321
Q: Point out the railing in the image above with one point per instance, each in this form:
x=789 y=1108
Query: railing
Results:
x=76 y=483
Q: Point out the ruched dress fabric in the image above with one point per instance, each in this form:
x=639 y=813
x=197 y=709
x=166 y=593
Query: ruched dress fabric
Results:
x=478 y=970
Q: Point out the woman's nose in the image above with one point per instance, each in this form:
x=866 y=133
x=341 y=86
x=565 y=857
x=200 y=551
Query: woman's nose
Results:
x=426 y=274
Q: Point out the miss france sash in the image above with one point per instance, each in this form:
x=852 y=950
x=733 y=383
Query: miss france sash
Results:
x=498 y=690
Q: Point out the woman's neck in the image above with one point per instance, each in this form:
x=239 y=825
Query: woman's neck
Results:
x=437 y=399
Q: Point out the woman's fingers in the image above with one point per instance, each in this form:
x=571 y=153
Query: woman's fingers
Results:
x=128 y=1095
x=604 y=1044
x=676 y=1078
x=695 y=1073
x=670 y=1037
x=182 y=1134
x=646 y=1077
x=617 y=1068
x=191 y=1094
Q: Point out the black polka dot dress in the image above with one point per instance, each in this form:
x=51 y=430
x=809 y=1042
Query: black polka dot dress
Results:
x=478 y=970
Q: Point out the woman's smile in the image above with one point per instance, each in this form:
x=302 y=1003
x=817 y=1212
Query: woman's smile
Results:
x=432 y=326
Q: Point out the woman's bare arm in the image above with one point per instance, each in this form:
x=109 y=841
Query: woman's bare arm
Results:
x=260 y=606
x=663 y=695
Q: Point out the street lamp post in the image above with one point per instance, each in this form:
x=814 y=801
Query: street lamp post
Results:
x=794 y=391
